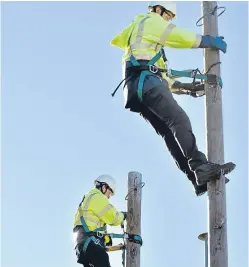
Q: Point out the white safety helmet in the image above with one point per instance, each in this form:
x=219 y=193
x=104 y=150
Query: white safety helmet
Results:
x=168 y=5
x=107 y=179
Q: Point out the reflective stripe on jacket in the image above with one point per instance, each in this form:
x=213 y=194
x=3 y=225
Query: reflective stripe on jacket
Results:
x=97 y=211
x=148 y=33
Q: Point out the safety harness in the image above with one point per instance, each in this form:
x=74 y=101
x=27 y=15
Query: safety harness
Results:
x=143 y=70
x=90 y=235
x=150 y=68
x=95 y=234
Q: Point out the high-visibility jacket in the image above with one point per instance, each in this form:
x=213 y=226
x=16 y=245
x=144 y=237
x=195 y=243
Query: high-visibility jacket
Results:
x=148 y=33
x=97 y=211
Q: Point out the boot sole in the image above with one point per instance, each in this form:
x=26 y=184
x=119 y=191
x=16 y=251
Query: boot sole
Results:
x=216 y=173
x=228 y=167
x=200 y=193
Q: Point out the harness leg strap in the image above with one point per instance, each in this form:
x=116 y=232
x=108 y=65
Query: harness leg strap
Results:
x=144 y=73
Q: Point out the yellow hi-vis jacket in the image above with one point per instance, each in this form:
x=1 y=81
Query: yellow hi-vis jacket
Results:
x=148 y=33
x=97 y=211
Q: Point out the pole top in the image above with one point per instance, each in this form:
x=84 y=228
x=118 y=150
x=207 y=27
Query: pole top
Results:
x=203 y=236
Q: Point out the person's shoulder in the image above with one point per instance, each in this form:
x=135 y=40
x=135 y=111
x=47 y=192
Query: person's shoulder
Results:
x=93 y=191
x=140 y=16
x=156 y=18
x=97 y=195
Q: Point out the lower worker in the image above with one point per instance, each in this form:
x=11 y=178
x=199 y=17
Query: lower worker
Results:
x=92 y=216
x=148 y=89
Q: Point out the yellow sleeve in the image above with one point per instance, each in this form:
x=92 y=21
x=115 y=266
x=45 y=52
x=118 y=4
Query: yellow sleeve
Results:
x=181 y=38
x=122 y=39
x=106 y=211
x=168 y=34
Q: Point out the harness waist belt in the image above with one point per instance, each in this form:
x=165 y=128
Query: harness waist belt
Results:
x=138 y=69
x=96 y=234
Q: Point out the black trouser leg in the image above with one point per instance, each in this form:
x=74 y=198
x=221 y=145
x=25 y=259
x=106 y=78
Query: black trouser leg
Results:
x=160 y=101
x=162 y=129
x=95 y=255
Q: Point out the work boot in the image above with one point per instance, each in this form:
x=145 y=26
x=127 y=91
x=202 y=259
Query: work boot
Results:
x=202 y=189
x=211 y=171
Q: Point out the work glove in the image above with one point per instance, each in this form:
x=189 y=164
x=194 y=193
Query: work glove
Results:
x=125 y=214
x=208 y=41
x=108 y=241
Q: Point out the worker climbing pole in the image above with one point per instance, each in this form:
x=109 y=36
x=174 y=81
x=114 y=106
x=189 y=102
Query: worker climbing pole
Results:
x=91 y=240
x=149 y=85
x=148 y=88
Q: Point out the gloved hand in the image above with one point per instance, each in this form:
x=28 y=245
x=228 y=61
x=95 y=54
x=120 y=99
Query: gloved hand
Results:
x=125 y=214
x=108 y=241
x=208 y=41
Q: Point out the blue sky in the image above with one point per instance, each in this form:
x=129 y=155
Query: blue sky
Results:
x=61 y=129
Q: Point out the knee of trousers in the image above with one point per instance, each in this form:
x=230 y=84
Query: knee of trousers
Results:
x=183 y=166
x=181 y=122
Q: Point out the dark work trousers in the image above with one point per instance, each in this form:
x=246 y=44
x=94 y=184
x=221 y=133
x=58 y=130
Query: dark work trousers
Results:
x=95 y=256
x=162 y=129
x=159 y=107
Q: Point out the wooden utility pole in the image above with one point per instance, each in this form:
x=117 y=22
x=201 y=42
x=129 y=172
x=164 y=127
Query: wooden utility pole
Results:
x=217 y=236
x=134 y=217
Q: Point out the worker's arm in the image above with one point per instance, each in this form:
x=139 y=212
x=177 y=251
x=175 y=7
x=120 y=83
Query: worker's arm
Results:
x=170 y=81
x=177 y=87
x=175 y=37
x=193 y=89
x=106 y=211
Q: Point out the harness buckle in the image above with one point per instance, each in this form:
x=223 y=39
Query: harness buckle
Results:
x=100 y=235
x=169 y=73
x=193 y=73
x=153 y=69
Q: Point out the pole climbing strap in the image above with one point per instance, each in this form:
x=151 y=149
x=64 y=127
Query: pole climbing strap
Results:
x=210 y=78
x=91 y=235
x=130 y=237
x=135 y=239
